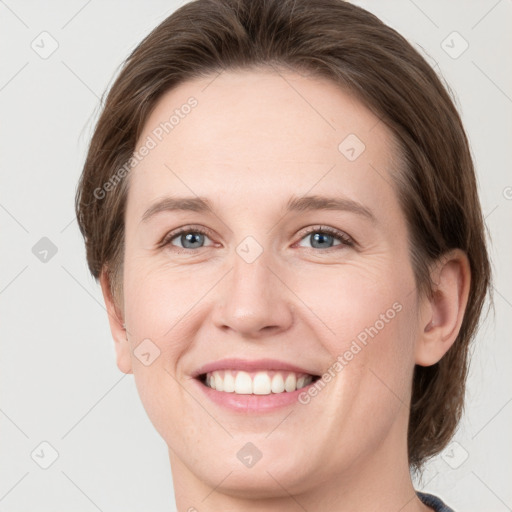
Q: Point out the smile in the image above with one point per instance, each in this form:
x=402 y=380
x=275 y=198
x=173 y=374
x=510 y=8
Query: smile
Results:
x=262 y=382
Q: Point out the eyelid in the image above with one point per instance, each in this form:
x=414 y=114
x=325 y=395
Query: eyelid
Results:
x=166 y=240
x=343 y=237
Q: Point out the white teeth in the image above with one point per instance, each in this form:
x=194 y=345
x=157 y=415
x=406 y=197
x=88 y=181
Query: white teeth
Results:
x=229 y=382
x=290 y=384
x=219 y=382
x=277 y=383
x=243 y=384
x=256 y=383
x=261 y=384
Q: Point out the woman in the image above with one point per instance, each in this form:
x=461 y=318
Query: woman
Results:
x=240 y=137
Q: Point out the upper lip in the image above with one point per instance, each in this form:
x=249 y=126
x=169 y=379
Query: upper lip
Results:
x=246 y=365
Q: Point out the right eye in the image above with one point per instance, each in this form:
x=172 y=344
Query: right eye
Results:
x=189 y=238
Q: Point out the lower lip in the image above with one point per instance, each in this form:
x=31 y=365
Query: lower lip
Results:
x=252 y=403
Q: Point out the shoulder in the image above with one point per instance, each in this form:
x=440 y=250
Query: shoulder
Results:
x=434 y=502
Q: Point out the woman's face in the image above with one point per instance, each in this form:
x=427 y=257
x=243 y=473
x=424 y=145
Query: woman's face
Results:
x=257 y=289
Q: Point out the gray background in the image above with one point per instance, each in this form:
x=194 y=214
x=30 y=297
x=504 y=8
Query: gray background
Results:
x=59 y=381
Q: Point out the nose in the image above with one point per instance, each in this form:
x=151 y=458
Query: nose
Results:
x=253 y=300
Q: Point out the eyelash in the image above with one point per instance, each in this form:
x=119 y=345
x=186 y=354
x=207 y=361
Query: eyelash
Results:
x=326 y=230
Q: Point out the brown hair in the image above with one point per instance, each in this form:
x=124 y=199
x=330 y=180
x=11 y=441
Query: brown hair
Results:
x=334 y=39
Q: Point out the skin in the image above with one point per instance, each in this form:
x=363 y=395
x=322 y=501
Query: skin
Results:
x=253 y=132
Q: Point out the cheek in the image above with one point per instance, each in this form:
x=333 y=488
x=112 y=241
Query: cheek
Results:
x=359 y=300
x=156 y=309
x=378 y=357
x=157 y=299
x=365 y=318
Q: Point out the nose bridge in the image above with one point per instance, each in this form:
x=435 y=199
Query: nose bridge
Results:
x=253 y=300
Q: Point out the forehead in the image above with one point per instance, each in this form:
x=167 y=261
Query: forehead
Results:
x=262 y=130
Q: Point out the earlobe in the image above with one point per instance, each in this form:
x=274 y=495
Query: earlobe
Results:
x=117 y=326
x=442 y=314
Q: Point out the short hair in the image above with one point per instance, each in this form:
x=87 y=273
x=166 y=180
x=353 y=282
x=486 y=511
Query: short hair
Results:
x=333 y=39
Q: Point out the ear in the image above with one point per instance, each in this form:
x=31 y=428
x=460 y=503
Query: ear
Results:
x=441 y=315
x=117 y=327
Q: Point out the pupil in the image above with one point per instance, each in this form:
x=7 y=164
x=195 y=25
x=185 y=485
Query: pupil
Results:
x=320 y=237
x=190 y=238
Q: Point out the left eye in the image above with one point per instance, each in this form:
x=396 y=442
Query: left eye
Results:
x=323 y=238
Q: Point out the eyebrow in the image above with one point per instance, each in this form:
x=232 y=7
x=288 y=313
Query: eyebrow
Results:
x=169 y=204
x=309 y=203
x=294 y=204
